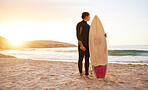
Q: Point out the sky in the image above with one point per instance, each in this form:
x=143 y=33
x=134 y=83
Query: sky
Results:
x=124 y=21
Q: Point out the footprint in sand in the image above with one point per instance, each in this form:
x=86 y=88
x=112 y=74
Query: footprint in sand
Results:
x=49 y=89
x=44 y=78
x=51 y=75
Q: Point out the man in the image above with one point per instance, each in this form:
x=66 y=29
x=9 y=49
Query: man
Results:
x=82 y=33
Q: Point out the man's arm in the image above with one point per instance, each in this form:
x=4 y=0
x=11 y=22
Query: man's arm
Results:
x=78 y=32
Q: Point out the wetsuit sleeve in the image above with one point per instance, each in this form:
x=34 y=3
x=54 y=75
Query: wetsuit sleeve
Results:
x=78 y=32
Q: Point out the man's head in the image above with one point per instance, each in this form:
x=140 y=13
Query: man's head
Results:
x=85 y=16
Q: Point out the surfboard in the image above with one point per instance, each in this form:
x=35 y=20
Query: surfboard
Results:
x=98 y=48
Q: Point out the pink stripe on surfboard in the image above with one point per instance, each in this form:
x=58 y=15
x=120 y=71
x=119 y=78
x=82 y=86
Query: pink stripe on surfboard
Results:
x=100 y=70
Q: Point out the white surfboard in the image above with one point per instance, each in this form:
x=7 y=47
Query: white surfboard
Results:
x=98 y=48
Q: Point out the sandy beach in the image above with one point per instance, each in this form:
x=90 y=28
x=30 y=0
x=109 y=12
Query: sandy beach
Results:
x=24 y=74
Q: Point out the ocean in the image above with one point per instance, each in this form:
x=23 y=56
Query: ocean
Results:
x=131 y=54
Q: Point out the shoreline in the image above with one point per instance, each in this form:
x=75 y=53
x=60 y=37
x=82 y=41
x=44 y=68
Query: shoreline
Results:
x=10 y=56
x=54 y=75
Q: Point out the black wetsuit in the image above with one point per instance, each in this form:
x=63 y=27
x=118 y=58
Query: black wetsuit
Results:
x=82 y=32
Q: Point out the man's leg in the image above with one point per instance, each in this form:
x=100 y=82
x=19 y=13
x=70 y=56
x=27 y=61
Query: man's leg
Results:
x=86 y=62
x=81 y=55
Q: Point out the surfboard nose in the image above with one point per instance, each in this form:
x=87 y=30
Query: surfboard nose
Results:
x=96 y=16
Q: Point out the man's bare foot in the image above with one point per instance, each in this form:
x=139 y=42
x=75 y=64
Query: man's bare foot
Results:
x=81 y=74
x=86 y=74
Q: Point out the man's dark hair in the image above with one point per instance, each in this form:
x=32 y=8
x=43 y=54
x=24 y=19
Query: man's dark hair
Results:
x=84 y=14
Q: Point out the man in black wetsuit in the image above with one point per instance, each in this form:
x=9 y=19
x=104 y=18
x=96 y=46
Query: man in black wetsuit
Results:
x=82 y=33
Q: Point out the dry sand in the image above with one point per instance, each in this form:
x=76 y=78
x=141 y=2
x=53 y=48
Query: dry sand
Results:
x=23 y=74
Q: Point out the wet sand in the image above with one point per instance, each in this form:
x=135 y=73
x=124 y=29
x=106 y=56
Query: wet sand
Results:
x=16 y=74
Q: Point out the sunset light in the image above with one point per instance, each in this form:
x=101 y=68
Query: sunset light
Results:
x=16 y=42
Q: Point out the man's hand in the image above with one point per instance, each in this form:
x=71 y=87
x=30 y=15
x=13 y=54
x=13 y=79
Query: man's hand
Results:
x=105 y=35
x=82 y=48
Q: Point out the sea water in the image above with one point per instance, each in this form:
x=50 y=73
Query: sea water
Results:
x=133 y=54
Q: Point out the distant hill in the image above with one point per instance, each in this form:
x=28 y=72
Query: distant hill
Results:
x=6 y=44
x=46 y=44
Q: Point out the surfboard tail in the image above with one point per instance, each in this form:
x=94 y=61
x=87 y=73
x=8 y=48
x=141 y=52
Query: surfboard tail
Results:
x=100 y=71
